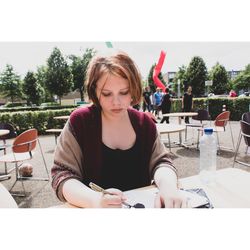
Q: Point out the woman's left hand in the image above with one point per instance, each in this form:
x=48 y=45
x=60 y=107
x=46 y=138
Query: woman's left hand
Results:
x=173 y=199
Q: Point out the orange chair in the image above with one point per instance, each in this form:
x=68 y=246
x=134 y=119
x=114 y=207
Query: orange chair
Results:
x=220 y=124
x=23 y=149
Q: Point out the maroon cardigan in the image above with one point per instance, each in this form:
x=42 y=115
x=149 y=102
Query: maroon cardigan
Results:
x=86 y=126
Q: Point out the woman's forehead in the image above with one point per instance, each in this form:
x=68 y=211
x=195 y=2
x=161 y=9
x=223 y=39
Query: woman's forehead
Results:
x=110 y=82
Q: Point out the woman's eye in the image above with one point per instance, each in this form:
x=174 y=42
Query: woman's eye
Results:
x=124 y=93
x=106 y=94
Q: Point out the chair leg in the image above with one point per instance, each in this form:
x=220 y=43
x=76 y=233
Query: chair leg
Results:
x=218 y=142
x=47 y=171
x=169 y=143
x=17 y=179
x=237 y=148
x=231 y=135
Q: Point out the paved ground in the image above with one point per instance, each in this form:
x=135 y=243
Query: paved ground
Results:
x=41 y=195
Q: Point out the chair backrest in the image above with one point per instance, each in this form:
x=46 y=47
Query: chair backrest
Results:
x=245 y=131
x=203 y=115
x=12 y=133
x=25 y=142
x=222 y=119
x=246 y=117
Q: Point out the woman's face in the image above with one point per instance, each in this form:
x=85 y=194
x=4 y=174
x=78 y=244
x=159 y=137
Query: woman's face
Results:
x=113 y=94
x=189 y=89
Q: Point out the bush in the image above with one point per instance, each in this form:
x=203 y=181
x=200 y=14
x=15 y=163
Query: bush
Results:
x=13 y=104
x=49 y=104
x=41 y=120
x=237 y=106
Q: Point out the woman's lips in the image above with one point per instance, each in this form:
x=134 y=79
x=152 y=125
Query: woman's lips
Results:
x=116 y=110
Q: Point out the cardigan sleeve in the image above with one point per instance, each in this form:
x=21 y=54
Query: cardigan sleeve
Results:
x=68 y=161
x=159 y=157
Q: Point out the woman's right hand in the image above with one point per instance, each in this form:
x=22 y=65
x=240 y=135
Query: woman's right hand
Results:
x=113 y=200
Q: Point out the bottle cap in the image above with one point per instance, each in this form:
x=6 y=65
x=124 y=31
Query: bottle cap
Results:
x=208 y=131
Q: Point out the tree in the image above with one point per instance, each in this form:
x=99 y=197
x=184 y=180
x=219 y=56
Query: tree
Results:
x=10 y=83
x=180 y=75
x=220 y=79
x=196 y=75
x=242 y=81
x=41 y=80
x=151 y=83
x=79 y=69
x=32 y=90
x=58 y=74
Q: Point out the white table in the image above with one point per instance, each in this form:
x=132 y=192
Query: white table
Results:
x=6 y=200
x=168 y=129
x=4 y=132
x=180 y=114
x=231 y=189
x=6 y=175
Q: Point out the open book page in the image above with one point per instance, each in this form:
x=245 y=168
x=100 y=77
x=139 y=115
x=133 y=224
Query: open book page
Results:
x=147 y=197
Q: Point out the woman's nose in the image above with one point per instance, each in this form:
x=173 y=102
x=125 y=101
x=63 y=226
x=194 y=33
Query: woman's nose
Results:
x=116 y=100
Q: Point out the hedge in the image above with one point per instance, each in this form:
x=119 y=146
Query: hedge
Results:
x=237 y=106
x=42 y=120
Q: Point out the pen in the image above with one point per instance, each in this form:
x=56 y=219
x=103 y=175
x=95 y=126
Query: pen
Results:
x=97 y=188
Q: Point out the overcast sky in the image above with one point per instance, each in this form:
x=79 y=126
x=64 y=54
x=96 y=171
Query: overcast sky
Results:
x=24 y=56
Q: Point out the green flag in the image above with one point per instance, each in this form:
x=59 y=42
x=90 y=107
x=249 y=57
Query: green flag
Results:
x=109 y=45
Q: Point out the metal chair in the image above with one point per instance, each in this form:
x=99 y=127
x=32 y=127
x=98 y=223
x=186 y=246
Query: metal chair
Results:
x=246 y=117
x=10 y=135
x=22 y=150
x=203 y=115
x=245 y=132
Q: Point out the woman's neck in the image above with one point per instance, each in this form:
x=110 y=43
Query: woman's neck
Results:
x=114 y=119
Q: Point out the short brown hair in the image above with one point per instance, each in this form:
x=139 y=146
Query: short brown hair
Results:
x=119 y=64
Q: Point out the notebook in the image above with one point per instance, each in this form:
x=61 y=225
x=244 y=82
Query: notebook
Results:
x=197 y=198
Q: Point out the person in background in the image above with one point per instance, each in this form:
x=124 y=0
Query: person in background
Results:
x=166 y=105
x=157 y=97
x=111 y=144
x=187 y=102
x=147 y=100
x=232 y=93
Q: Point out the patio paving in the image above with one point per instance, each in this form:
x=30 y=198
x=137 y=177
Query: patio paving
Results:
x=41 y=194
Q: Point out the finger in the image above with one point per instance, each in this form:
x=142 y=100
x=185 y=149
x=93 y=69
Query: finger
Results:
x=114 y=191
x=157 y=203
x=184 y=203
x=112 y=199
x=177 y=203
x=169 y=203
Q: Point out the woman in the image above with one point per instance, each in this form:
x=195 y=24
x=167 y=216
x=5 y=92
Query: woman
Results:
x=112 y=144
x=187 y=102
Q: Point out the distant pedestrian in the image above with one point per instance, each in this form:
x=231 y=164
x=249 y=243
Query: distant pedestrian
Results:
x=157 y=98
x=187 y=102
x=166 y=105
x=147 y=105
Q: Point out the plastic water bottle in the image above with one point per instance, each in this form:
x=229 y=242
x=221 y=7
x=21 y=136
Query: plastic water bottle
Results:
x=208 y=154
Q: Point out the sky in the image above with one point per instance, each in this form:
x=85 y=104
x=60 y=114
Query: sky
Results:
x=24 y=56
